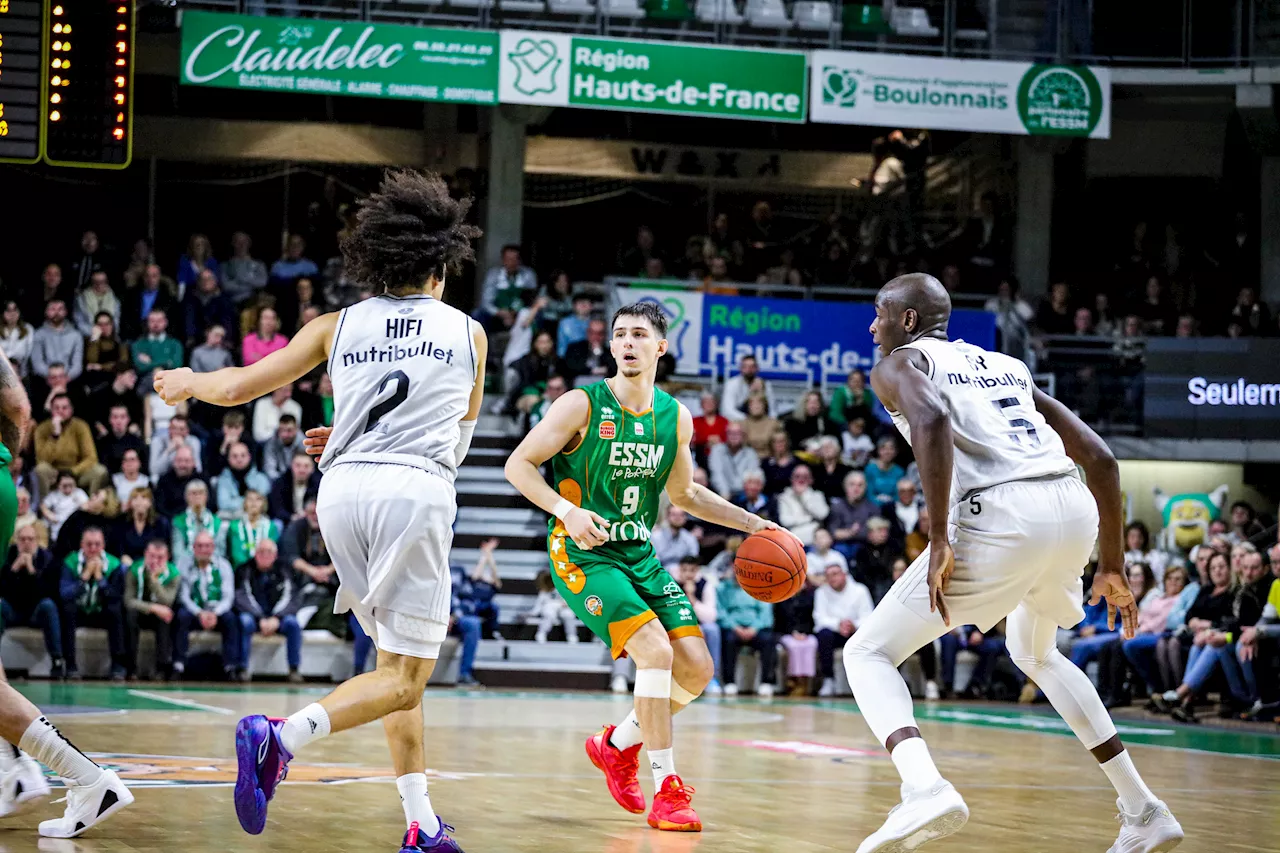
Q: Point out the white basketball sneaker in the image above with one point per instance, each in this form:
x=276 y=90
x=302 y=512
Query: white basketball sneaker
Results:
x=88 y=805
x=1155 y=830
x=923 y=815
x=22 y=786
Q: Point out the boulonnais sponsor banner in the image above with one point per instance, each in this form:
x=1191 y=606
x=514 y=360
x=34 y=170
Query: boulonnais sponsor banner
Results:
x=558 y=69
x=960 y=94
x=339 y=58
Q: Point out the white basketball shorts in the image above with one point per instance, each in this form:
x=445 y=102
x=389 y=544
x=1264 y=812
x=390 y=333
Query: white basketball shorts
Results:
x=389 y=528
x=1022 y=542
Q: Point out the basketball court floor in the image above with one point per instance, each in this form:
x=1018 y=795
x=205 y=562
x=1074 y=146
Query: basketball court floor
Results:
x=508 y=770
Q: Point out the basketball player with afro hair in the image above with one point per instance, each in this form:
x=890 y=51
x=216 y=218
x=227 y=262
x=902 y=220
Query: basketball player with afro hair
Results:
x=408 y=376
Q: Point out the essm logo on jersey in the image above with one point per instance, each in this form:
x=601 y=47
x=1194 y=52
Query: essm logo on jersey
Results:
x=608 y=430
x=634 y=459
x=594 y=605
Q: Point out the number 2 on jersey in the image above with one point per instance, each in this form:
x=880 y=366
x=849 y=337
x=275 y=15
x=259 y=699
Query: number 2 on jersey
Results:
x=630 y=500
x=397 y=397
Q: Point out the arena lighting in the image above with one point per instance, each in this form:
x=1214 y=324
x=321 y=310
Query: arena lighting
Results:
x=94 y=127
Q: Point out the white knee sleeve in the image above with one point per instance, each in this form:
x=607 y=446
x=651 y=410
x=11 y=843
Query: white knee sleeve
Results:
x=653 y=684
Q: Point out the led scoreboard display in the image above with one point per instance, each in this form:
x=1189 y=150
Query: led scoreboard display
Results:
x=66 y=82
x=89 y=114
x=21 y=80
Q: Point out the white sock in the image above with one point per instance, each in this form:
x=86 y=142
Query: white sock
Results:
x=1134 y=793
x=9 y=755
x=311 y=723
x=47 y=745
x=663 y=762
x=628 y=733
x=417 y=803
x=914 y=763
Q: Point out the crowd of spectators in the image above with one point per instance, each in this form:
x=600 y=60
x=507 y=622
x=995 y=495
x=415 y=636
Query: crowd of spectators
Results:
x=138 y=515
x=886 y=239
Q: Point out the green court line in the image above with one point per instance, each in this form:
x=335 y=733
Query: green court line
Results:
x=1259 y=744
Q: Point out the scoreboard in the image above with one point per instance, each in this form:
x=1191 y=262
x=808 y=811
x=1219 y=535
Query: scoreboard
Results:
x=21 y=80
x=66 y=82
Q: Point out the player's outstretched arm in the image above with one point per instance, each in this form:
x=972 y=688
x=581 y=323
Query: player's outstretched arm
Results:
x=234 y=386
x=698 y=500
x=904 y=387
x=15 y=408
x=561 y=425
x=1102 y=475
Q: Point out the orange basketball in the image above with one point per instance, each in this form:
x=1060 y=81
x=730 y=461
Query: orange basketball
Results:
x=771 y=566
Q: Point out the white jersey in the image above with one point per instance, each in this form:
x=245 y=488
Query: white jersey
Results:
x=403 y=368
x=999 y=435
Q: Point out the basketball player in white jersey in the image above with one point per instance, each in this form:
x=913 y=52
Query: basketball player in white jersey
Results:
x=1011 y=526
x=408 y=379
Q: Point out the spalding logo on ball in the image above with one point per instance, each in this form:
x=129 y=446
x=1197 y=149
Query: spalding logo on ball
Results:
x=770 y=566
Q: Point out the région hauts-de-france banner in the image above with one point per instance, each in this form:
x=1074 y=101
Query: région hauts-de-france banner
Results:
x=791 y=338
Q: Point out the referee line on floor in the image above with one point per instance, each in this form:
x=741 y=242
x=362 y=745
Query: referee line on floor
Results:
x=182 y=703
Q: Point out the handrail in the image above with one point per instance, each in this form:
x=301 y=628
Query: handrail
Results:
x=807 y=292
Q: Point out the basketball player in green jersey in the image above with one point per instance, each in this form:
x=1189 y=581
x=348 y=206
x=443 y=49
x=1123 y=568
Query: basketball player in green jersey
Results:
x=614 y=446
x=93 y=794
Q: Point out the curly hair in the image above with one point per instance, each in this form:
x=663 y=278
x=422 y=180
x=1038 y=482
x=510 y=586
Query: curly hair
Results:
x=408 y=230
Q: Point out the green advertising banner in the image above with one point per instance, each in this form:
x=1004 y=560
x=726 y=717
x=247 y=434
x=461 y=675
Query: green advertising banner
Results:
x=332 y=58
x=558 y=69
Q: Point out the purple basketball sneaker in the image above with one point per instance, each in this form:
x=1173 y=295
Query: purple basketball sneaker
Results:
x=417 y=841
x=263 y=764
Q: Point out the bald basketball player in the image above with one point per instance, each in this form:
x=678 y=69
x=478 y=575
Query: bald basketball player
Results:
x=1011 y=528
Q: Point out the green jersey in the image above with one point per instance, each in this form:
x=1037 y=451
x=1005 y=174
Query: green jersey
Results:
x=8 y=500
x=619 y=470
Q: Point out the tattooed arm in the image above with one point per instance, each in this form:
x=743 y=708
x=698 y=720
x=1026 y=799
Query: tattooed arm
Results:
x=15 y=409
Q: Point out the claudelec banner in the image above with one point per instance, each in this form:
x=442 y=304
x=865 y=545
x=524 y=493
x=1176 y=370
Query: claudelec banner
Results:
x=339 y=58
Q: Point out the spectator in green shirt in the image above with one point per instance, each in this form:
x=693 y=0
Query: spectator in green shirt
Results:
x=852 y=400
x=155 y=350
x=92 y=589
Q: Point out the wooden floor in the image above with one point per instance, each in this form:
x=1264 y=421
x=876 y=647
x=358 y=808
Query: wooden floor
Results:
x=509 y=772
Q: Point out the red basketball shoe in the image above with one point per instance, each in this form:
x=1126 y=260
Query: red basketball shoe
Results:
x=673 y=809
x=619 y=767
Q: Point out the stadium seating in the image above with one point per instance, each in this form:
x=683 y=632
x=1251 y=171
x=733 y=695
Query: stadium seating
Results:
x=768 y=14
x=718 y=12
x=813 y=15
x=571 y=7
x=622 y=8
x=912 y=22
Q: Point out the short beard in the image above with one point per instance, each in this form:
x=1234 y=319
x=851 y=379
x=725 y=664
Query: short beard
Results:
x=630 y=372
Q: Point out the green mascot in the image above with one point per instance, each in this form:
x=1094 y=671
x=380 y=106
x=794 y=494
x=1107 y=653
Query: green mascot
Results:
x=1187 y=517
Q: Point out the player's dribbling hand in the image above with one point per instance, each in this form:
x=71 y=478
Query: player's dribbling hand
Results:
x=942 y=561
x=316 y=440
x=585 y=528
x=173 y=386
x=1112 y=585
x=756 y=524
